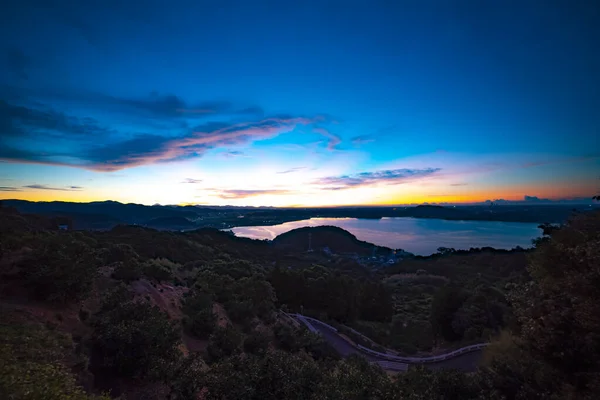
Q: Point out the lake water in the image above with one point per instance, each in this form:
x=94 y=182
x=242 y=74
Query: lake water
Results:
x=416 y=235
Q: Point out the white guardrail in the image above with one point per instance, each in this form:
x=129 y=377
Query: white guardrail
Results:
x=423 y=360
x=304 y=320
x=390 y=357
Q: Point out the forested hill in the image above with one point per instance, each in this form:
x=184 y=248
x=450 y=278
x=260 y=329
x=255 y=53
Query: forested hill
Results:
x=139 y=313
x=337 y=240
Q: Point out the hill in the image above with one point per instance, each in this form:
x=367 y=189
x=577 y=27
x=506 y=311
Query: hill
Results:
x=150 y=314
x=337 y=240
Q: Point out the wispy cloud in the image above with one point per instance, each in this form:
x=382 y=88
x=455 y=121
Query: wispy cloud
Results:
x=242 y=194
x=538 y=200
x=233 y=154
x=291 y=170
x=9 y=189
x=63 y=189
x=163 y=128
x=394 y=176
x=458 y=184
x=137 y=150
x=362 y=139
x=333 y=139
x=191 y=180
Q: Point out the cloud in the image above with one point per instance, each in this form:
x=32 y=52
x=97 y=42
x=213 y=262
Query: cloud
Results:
x=291 y=170
x=158 y=105
x=458 y=184
x=150 y=149
x=233 y=154
x=243 y=194
x=394 y=176
x=62 y=189
x=538 y=200
x=191 y=180
x=334 y=140
x=136 y=150
x=9 y=189
x=362 y=139
x=19 y=121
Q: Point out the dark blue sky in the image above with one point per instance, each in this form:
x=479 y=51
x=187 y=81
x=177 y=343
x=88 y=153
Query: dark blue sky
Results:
x=394 y=102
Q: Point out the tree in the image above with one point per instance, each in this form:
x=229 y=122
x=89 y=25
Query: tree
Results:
x=134 y=339
x=557 y=351
x=224 y=342
x=61 y=267
x=200 y=318
x=560 y=310
x=32 y=365
x=446 y=302
x=257 y=342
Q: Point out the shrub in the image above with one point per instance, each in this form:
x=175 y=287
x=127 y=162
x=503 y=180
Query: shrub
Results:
x=256 y=343
x=159 y=269
x=61 y=268
x=224 y=342
x=31 y=365
x=127 y=271
x=134 y=339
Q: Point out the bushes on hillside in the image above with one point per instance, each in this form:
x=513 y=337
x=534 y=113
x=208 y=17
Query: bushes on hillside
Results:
x=159 y=269
x=33 y=365
x=61 y=267
x=134 y=339
x=200 y=319
x=224 y=342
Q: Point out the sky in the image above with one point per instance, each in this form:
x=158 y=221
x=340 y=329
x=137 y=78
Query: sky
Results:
x=299 y=103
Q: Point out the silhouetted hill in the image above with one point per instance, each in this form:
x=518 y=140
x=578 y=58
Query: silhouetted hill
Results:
x=336 y=239
x=102 y=215
x=170 y=223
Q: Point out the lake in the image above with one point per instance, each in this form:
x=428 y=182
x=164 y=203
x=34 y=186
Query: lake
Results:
x=416 y=235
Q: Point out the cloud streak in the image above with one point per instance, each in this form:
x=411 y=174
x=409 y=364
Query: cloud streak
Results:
x=99 y=148
x=62 y=189
x=291 y=170
x=9 y=189
x=243 y=194
x=333 y=139
x=393 y=176
x=191 y=181
x=362 y=139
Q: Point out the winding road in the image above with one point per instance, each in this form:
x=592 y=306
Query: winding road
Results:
x=466 y=359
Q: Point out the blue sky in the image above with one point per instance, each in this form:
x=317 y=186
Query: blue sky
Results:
x=299 y=102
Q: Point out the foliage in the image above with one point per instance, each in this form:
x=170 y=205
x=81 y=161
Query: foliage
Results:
x=275 y=376
x=159 y=269
x=559 y=310
x=446 y=302
x=32 y=365
x=200 y=318
x=337 y=296
x=257 y=342
x=421 y=383
x=185 y=380
x=134 y=338
x=61 y=267
x=224 y=342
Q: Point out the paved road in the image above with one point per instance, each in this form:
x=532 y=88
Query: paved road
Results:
x=467 y=362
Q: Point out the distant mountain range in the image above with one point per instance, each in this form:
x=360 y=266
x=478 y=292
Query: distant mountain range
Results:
x=107 y=214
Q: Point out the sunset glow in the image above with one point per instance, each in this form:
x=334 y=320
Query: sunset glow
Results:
x=284 y=109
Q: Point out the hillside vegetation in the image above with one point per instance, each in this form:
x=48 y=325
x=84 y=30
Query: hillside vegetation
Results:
x=144 y=314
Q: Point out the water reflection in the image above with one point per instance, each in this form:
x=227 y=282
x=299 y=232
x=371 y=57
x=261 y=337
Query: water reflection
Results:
x=416 y=235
